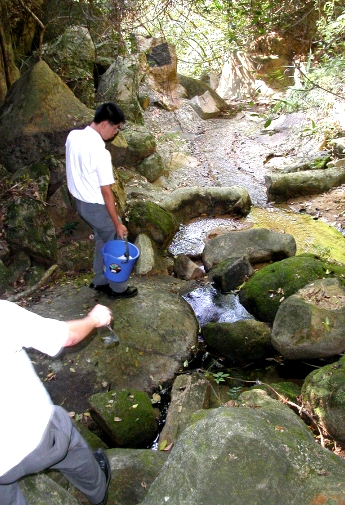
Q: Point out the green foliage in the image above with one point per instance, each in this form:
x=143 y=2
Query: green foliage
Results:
x=219 y=377
x=331 y=27
x=69 y=228
x=319 y=91
x=235 y=391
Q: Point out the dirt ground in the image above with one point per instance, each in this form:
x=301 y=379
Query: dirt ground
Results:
x=328 y=207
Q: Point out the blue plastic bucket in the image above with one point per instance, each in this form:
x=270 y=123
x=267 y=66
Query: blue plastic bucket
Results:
x=119 y=257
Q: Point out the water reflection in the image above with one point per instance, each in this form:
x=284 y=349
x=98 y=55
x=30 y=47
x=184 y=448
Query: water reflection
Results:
x=210 y=305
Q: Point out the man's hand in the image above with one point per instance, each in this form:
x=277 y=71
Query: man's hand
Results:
x=102 y=313
x=78 y=329
x=121 y=230
x=110 y=204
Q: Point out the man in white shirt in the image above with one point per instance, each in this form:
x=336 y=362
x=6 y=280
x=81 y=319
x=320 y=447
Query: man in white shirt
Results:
x=90 y=178
x=34 y=433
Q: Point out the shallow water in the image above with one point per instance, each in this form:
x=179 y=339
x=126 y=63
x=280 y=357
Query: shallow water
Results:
x=210 y=305
x=190 y=239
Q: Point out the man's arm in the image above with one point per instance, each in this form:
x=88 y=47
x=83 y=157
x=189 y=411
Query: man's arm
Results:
x=78 y=329
x=110 y=204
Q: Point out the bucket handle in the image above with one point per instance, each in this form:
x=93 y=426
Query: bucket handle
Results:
x=125 y=238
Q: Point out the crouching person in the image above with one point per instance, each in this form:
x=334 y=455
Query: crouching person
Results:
x=35 y=434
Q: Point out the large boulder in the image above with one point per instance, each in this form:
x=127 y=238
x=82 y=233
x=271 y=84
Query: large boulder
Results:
x=269 y=287
x=310 y=323
x=205 y=106
x=30 y=229
x=237 y=78
x=259 y=452
x=196 y=87
x=281 y=187
x=140 y=144
x=258 y=244
x=241 y=341
x=151 y=260
x=120 y=84
x=154 y=221
x=72 y=56
x=151 y=167
x=157 y=330
x=9 y=72
x=36 y=117
x=186 y=203
x=190 y=393
x=161 y=74
x=323 y=394
x=132 y=470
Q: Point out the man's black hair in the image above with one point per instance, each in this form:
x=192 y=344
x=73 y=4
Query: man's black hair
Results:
x=111 y=112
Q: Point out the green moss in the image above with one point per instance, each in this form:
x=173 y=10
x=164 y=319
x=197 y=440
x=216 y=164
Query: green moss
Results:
x=312 y=236
x=30 y=228
x=264 y=291
x=157 y=223
x=126 y=416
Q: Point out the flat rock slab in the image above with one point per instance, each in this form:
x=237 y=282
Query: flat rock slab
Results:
x=157 y=330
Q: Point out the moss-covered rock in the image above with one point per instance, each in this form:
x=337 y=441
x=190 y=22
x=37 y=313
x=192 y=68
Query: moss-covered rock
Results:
x=76 y=256
x=141 y=143
x=240 y=341
x=29 y=228
x=151 y=219
x=33 y=179
x=231 y=273
x=93 y=440
x=266 y=289
x=120 y=84
x=323 y=393
x=72 y=57
x=5 y=276
x=259 y=452
x=151 y=167
x=186 y=203
x=288 y=390
x=310 y=323
x=36 y=117
x=18 y=266
x=126 y=417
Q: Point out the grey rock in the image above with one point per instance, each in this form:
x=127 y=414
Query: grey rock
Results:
x=240 y=341
x=186 y=203
x=185 y=268
x=231 y=273
x=258 y=244
x=189 y=394
x=285 y=186
x=255 y=453
x=310 y=323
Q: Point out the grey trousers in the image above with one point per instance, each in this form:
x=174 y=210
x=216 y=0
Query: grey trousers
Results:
x=98 y=218
x=61 y=448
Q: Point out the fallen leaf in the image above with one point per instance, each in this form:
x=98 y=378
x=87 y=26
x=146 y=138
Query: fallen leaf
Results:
x=156 y=398
x=162 y=445
x=280 y=428
x=117 y=419
x=72 y=370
